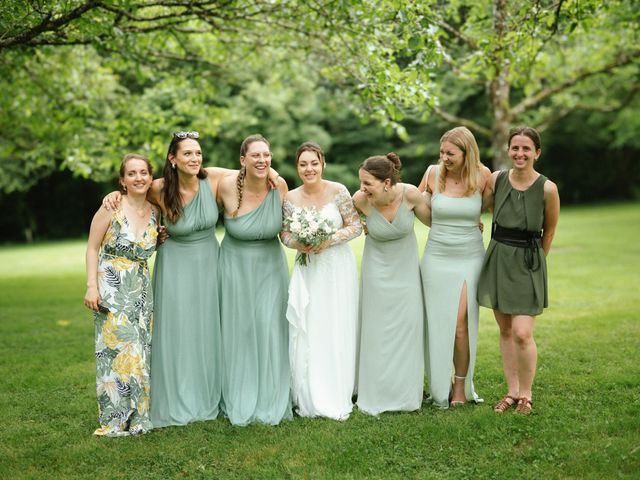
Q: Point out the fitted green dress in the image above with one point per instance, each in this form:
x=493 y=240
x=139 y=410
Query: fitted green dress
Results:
x=254 y=280
x=391 y=360
x=186 y=366
x=452 y=258
x=506 y=282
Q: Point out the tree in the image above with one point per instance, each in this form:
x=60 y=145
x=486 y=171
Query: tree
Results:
x=533 y=62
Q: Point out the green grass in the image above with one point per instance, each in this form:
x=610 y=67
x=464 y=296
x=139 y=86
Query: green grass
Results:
x=587 y=393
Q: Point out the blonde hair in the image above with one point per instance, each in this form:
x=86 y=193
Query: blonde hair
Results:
x=462 y=138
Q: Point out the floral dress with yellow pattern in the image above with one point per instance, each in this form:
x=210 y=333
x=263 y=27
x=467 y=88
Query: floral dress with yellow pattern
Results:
x=123 y=328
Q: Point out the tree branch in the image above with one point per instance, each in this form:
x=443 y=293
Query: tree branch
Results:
x=49 y=25
x=536 y=98
x=465 y=122
x=558 y=115
x=455 y=32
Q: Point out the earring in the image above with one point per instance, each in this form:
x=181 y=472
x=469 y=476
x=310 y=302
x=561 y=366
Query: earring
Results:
x=173 y=165
x=124 y=188
x=386 y=189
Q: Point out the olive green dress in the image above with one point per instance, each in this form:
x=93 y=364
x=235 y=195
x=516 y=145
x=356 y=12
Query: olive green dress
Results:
x=506 y=282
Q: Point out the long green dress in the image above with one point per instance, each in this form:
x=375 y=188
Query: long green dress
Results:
x=506 y=282
x=253 y=291
x=391 y=363
x=123 y=328
x=452 y=257
x=186 y=367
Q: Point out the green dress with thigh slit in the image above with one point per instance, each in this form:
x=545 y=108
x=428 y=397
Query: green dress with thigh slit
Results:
x=452 y=258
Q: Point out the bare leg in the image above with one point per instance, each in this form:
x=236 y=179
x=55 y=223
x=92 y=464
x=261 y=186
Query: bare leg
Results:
x=461 y=349
x=507 y=348
x=526 y=352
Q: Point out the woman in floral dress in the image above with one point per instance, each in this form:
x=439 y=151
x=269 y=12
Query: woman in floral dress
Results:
x=119 y=293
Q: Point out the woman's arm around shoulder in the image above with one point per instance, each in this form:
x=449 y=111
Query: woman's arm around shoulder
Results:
x=361 y=202
x=488 y=188
x=420 y=202
x=226 y=194
x=283 y=188
x=551 y=214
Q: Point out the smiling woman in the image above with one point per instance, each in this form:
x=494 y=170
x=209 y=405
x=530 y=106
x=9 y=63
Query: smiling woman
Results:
x=253 y=291
x=323 y=293
x=391 y=369
x=120 y=242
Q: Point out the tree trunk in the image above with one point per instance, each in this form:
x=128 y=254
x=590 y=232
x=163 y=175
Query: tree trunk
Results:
x=499 y=89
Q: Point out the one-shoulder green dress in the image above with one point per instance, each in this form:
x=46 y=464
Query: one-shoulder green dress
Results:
x=391 y=361
x=254 y=280
x=186 y=354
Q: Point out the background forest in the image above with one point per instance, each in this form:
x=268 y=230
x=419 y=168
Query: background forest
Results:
x=82 y=82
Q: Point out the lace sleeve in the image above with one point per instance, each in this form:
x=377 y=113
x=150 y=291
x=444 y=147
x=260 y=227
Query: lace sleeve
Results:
x=285 y=234
x=351 y=226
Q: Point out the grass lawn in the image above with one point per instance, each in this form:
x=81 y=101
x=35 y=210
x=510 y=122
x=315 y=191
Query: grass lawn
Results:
x=586 y=421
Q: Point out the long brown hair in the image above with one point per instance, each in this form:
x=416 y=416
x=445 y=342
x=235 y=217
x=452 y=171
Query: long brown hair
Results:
x=171 y=191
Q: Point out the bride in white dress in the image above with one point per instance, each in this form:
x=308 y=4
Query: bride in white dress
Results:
x=323 y=295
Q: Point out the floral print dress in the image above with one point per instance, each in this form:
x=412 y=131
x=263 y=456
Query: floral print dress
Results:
x=123 y=328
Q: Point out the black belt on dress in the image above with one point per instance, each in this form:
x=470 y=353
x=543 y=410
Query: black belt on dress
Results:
x=522 y=239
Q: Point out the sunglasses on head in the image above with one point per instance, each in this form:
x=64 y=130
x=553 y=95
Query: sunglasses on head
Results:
x=186 y=135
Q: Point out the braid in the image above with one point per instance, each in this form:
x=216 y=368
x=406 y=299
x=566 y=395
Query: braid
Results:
x=239 y=189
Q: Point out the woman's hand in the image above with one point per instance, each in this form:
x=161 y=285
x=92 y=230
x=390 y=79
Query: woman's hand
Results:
x=92 y=299
x=321 y=247
x=162 y=234
x=112 y=201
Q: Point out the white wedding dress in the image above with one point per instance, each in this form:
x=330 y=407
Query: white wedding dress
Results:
x=322 y=312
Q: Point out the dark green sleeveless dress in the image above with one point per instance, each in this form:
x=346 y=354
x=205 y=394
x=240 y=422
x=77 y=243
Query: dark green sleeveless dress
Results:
x=506 y=282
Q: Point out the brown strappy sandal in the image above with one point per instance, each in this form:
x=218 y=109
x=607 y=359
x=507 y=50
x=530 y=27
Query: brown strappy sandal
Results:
x=525 y=406
x=505 y=404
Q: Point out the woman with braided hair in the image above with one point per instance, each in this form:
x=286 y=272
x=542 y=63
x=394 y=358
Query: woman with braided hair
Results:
x=253 y=278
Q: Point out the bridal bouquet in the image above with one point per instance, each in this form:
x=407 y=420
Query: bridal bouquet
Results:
x=309 y=228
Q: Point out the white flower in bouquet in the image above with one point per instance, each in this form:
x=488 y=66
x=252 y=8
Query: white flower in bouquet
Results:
x=308 y=227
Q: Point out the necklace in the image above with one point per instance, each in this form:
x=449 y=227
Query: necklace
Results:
x=140 y=211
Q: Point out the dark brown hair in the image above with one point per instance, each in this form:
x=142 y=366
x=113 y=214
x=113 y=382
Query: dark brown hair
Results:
x=171 y=190
x=532 y=133
x=383 y=167
x=310 y=147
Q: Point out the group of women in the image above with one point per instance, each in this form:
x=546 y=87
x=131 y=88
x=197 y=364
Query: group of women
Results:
x=233 y=335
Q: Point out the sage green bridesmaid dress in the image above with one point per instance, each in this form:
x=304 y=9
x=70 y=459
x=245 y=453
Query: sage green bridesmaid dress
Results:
x=391 y=363
x=452 y=257
x=186 y=353
x=254 y=280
